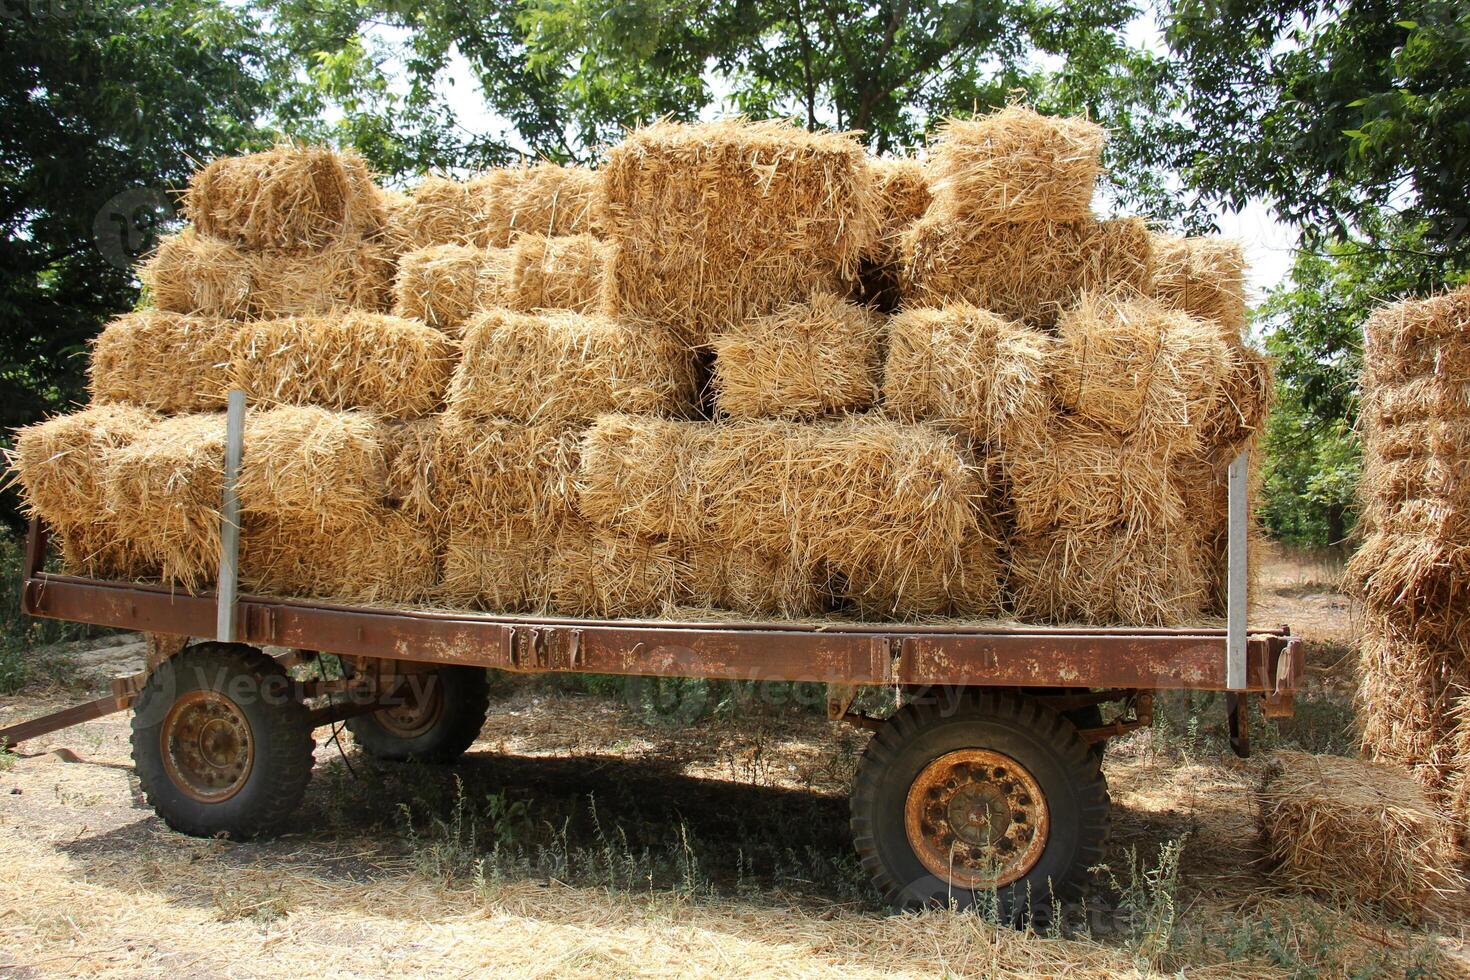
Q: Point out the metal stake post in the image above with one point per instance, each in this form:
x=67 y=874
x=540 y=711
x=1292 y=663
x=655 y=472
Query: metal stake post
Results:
x=229 y=526
x=1235 y=599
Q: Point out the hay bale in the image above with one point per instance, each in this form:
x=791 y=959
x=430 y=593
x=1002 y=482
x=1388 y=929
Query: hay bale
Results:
x=1200 y=480
x=1138 y=367
x=567 y=272
x=569 y=367
x=1418 y=339
x=1247 y=392
x=900 y=197
x=58 y=462
x=643 y=476
x=381 y=558
x=966 y=369
x=169 y=362
x=810 y=358
x=1406 y=702
x=1458 y=794
x=1204 y=277
x=540 y=199
x=501 y=569
x=966 y=583
x=446 y=285
x=1107 y=576
x=493 y=474
x=1071 y=473
x=751 y=583
x=382 y=364
x=1016 y=165
x=408 y=461
x=596 y=572
x=96 y=550
x=717 y=222
x=1355 y=831
x=1028 y=271
x=289 y=198
x=440 y=211
x=194 y=273
x=305 y=466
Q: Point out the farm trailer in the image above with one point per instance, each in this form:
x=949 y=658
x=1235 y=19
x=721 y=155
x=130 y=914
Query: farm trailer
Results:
x=986 y=781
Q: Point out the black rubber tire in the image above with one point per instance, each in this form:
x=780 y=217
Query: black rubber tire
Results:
x=1040 y=740
x=466 y=693
x=280 y=727
x=1090 y=717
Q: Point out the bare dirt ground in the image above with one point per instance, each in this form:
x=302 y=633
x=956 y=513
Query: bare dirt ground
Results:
x=579 y=839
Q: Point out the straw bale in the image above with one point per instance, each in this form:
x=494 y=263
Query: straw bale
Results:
x=440 y=211
x=1200 y=480
x=1458 y=795
x=1028 y=271
x=382 y=557
x=57 y=463
x=490 y=474
x=500 y=569
x=1406 y=702
x=292 y=197
x=569 y=367
x=643 y=476
x=383 y=364
x=193 y=273
x=751 y=583
x=1107 y=576
x=446 y=285
x=567 y=272
x=408 y=461
x=1075 y=474
x=1355 y=830
x=540 y=199
x=1204 y=277
x=966 y=369
x=1247 y=391
x=1137 y=367
x=306 y=466
x=1417 y=338
x=1419 y=576
x=1016 y=165
x=169 y=362
x=1432 y=396
x=596 y=572
x=96 y=550
x=810 y=358
x=717 y=222
x=966 y=583
x=900 y=197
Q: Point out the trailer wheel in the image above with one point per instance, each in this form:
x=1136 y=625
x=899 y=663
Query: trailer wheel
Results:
x=999 y=801
x=221 y=745
x=436 y=722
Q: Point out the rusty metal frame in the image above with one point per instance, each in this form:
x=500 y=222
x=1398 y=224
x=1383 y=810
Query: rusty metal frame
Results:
x=834 y=653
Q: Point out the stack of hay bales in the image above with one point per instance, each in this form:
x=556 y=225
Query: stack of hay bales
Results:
x=1356 y=831
x=297 y=230
x=670 y=381
x=1413 y=567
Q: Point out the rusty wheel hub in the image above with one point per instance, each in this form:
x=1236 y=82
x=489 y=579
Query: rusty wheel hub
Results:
x=976 y=818
x=208 y=750
x=420 y=710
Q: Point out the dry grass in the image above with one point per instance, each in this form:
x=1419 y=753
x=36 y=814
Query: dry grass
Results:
x=1457 y=797
x=446 y=285
x=1071 y=473
x=1016 y=165
x=1246 y=394
x=440 y=211
x=493 y=474
x=751 y=583
x=1418 y=339
x=383 y=364
x=1204 y=277
x=966 y=583
x=1406 y=703
x=96 y=550
x=900 y=197
x=718 y=222
x=569 y=367
x=966 y=369
x=56 y=461
x=1136 y=367
x=1357 y=831
x=382 y=556
x=567 y=272
x=290 y=198
x=806 y=359
x=500 y=569
x=539 y=199
x=194 y=273
x=1029 y=271
x=1153 y=577
x=169 y=362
